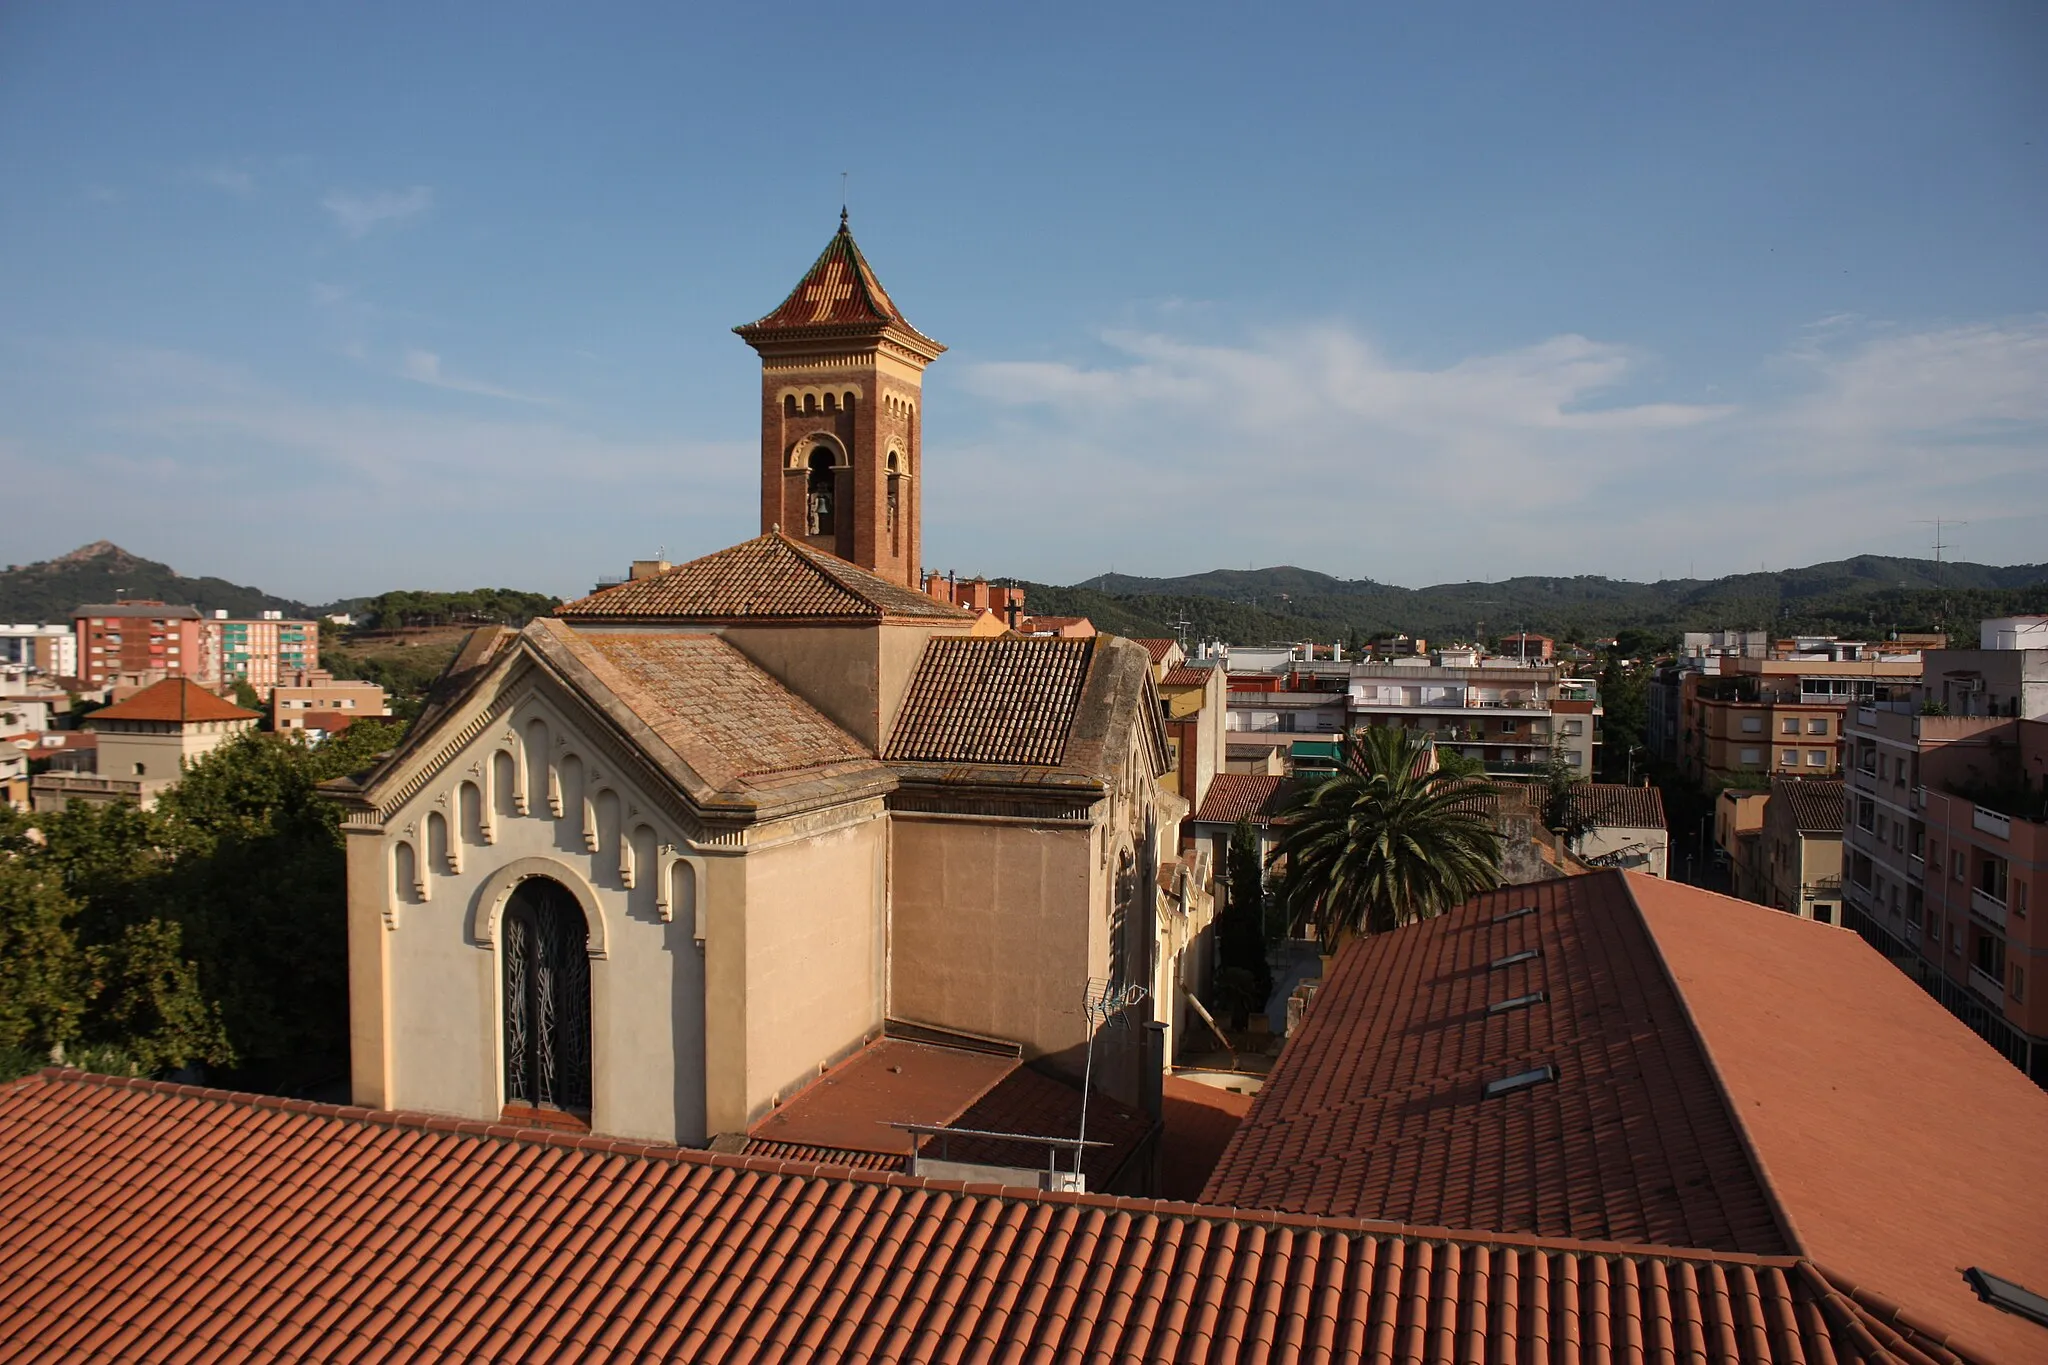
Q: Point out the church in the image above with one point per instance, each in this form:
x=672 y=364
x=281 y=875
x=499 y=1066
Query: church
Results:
x=655 y=865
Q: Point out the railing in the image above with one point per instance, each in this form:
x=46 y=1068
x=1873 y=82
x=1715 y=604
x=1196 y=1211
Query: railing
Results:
x=1827 y=888
x=1987 y=985
x=1992 y=823
x=1984 y=907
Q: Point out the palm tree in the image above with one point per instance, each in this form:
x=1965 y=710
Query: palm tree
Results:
x=1388 y=840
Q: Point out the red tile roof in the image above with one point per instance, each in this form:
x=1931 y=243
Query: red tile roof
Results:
x=1726 y=1077
x=1818 y=806
x=839 y=290
x=715 y=708
x=1377 y=1109
x=1243 y=796
x=1158 y=649
x=144 y=1220
x=173 y=699
x=1184 y=676
x=768 y=577
x=1006 y=700
x=1615 y=805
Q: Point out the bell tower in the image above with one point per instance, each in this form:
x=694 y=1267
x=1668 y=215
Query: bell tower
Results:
x=842 y=388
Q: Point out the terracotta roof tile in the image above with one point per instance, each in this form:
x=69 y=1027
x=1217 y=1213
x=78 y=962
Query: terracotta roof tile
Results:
x=1243 y=796
x=1818 y=805
x=1617 y=806
x=839 y=289
x=1186 y=676
x=769 y=577
x=147 y=1220
x=718 y=710
x=1158 y=649
x=1004 y=700
x=173 y=699
x=1378 y=1107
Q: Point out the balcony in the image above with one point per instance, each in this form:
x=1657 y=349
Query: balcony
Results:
x=1988 y=986
x=1992 y=823
x=1985 y=908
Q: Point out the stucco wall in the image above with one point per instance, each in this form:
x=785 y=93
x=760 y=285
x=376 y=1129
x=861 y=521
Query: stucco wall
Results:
x=990 y=928
x=814 y=957
x=440 y=963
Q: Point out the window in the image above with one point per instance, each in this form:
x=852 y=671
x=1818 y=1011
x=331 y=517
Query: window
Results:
x=1817 y=726
x=2019 y=982
x=2019 y=899
x=1914 y=905
x=1987 y=955
x=1751 y=756
x=1866 y=812
x=1752 y=725
x=545 y=947
x=141 y=771
x=1991 y=874
x=1788 y=758
x=1816 y=758
x=1955 y=864
x=1789 y=725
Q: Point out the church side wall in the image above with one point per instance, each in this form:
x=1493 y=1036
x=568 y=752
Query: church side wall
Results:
x=990 y=929
x=814 y=955
x=834 y=668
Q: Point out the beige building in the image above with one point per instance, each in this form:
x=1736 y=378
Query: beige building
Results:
x=1796 y=860
x=317 y=693
x=144 y=744
x=652 y=866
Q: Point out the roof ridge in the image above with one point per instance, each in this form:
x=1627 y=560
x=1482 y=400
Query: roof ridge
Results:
x=672 y=1154
x=1891 y=1328
x=1769 y=1185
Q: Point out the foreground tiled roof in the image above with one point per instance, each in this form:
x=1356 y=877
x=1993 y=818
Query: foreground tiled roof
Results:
x=769 y=577
x=1614 y=805
x=1158 y=649
x=1243 y=796
x=1817 y=806
x=1004 y=700
x=146 y=1221
x=720 y=712
x=1377 y=1109
x=173 y=699
x=1726 y=1077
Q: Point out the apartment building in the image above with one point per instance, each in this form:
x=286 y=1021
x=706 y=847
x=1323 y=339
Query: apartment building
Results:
x=1947 y=834
x=144 y=745
x=49 y=650
x=264 y=651
x=1505 y=714
x=135 y=637
x=1781 y=716
x=314 y=698
x=1794 y=863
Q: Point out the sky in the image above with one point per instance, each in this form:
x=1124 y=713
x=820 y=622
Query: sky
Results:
x=336 y=300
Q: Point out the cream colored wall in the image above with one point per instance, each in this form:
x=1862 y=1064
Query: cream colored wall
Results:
x=834 y=668
x=990 y=928
x=440 y=962
x=815 y=945
x=162 y=752
x=1613 y=838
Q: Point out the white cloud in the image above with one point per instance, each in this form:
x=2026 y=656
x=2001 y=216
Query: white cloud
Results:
x=1313 y=446
x=424 y=367
x=361 y=214
x=231 y=179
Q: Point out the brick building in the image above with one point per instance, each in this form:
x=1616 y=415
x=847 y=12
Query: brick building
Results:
x=136 y=637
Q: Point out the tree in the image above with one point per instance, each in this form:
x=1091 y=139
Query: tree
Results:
x=1564 y=814
x=1388 y=840
x=44 y=979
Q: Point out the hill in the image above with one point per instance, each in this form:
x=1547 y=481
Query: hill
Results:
x=101 y=571
x=1868 y=594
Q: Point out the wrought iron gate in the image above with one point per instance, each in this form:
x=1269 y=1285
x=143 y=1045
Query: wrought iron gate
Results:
x=547 y=998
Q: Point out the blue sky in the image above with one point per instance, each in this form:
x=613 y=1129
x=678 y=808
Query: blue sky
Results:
x=438 y=296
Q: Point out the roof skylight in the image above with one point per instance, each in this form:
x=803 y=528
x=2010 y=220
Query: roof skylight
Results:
x=1521 y=1080
x=1512 y=958
x=1520 y=1002
x=1516 y=913
x=2013 y=1298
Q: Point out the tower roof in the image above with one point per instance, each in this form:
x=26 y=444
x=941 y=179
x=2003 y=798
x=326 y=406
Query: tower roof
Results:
x=838 y=291
x=768 y=577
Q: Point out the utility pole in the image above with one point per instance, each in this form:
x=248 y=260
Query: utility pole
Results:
x=1940 y=607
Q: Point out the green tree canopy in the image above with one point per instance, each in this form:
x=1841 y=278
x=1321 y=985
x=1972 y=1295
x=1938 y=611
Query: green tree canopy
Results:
x=1386 y=841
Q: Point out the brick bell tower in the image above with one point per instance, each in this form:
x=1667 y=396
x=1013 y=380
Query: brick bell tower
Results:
x=842 y=387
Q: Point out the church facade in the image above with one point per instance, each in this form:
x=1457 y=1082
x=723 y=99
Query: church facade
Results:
x=650 y=866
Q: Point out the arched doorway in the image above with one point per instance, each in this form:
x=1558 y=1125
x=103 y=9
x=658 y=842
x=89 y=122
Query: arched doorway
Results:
x=545 y=950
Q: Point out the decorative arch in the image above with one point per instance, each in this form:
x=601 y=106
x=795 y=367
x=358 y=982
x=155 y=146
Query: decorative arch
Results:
x=488 y=908
x=801 y=451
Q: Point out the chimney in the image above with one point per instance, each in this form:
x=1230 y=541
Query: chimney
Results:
x=647 y=568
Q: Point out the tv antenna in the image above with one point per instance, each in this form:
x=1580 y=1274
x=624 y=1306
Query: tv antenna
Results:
x=1939 y=544
x=1104 y=1002
x=1180 y=628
